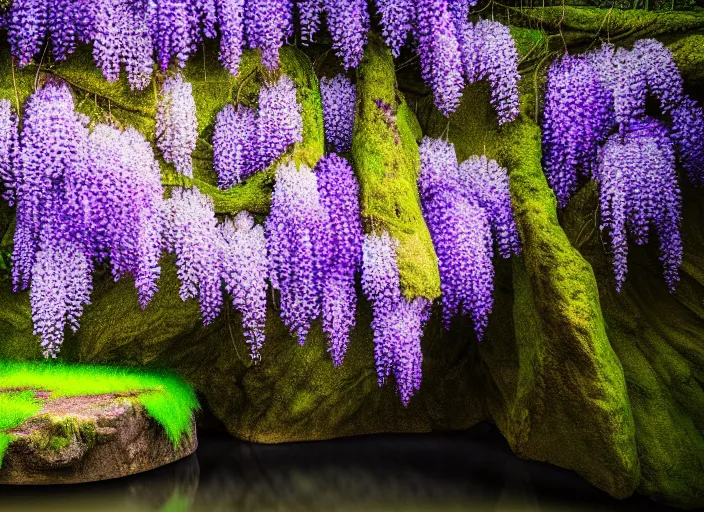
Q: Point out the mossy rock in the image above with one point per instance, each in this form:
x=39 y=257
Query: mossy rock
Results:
x=387 y=163
x=659 y=339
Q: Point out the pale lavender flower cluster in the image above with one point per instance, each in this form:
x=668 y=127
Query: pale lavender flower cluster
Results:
x=296 y=230
x=231 y=16
x=268 y=24
x=638 y=191
x=192 y=233
x=245 y=271
x=341 y=251
x=81 y=198
x=398 y=324
x=8 y=147
x=590 y=96
x=177 y=124
x=461 y=229
x=339 y=96
x=314 y=237
x=348 y=23
x=491 y=50
x=487 y=183
x=246 y=142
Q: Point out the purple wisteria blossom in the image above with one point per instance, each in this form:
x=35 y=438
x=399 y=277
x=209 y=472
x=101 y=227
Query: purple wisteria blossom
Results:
x=235 y=139
x=577 y=120
x=172 y=29
x=309 y=14
x=497 y=62
x=340 y=252
x=231 y=18
x=348 y=23
x=638 y=190
x=268 y=24
x=122 y=36
x=246 y=142
x=245 y=271
x=439 y=52
x=280 y=120
x=688 y=136
x=8 y=147
x=62 y=26
x=662 y=77
x=192 y=233
x=396 y=22
x=461 y=232
x=296 y=231
x=397 y=324
x=177 y=124
x=339 y=96
x=487 y=182
x=27 y=28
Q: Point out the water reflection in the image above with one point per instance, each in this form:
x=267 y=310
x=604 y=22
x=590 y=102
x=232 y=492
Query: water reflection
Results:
x=439 y=472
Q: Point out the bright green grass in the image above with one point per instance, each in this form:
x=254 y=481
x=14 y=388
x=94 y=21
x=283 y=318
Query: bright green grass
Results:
x=166 y=398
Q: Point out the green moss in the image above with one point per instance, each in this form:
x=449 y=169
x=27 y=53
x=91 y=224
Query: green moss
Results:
x=385 y=154
x=166 y=398
x=15 y=409
x=659 y=340
x=5 y=441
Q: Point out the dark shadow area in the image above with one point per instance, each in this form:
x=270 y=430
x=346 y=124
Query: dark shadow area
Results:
x=473 y=470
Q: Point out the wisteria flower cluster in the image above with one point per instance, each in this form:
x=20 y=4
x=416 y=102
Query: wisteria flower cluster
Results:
x=463 y=205
x=339 y=97
x=81 y=198
x=638 y=190
x=211 y=254
x=8 y=148
x=177 y=124
x=398 y=323
x=137 y=34
x=246 y=142
x=314 y=237
x=591 y=96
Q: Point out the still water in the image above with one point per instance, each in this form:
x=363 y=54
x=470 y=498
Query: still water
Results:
x=469 y=471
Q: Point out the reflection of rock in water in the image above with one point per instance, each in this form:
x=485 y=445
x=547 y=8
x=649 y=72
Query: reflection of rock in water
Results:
x=171 y=487
x=359 y=474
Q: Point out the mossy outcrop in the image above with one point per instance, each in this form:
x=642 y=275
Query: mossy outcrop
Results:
x=659 y=339
x=387 y=163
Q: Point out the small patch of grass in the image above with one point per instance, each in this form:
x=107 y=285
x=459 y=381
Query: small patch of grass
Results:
x=169 y=400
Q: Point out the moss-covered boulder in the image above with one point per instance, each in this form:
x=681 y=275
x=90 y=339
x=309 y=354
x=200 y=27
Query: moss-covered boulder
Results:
x=659 y=339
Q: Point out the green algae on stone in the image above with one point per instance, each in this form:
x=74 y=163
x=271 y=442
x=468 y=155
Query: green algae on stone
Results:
x=659 y=338
x=387 y=163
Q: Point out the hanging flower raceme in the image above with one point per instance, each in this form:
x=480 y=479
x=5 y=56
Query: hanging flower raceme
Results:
x=296 y=231
x=122 y=36
x=280 y=120
x=488 y=184
x=638 y=190
x=495 y=60
x=192 y=233
x=578 y=117
x=245 y=270
x=339 y=96
x=439 y=52
x=396 y=22
x=127 y=207
x=8 y=147
x=348 y=23
x=309 y=14
x=235 y=154
x=174 y=29
x=397 y=324
x=177 y=124
x=461 y=232
x=231 y=18
x=688 y=136
x=268 y=25
x=27 y=28
x=245 y=142
x=341 y=251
